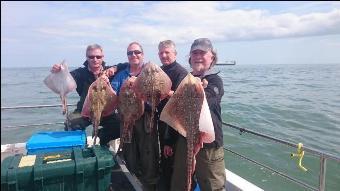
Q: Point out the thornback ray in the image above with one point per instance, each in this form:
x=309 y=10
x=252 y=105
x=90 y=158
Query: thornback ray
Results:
x=205 y=122
x=61 y=83
x=130 y=109
x=187 y=111
x=152 y=85
x=100 y=102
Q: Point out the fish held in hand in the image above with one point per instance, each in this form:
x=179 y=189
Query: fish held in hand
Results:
x=187 y=111
x=61 y=83
x=130 y=108
x=152 y=85
x=100 y=101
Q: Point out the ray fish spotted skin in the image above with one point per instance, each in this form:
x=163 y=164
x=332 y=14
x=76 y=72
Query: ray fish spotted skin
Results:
x=152 y=85
x=130 y=108
x=182 y=112
x=99 y=102
x=61 y=83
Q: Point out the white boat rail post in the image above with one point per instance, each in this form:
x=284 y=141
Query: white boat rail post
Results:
x=67 y=119
x=322 y=173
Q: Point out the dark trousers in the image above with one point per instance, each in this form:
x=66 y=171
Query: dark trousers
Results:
x=210 y=168
x=110 y=124
x=166 y=163
x=142 y=154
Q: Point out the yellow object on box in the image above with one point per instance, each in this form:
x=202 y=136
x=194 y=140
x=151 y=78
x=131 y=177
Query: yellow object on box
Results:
x=28 y=160
x=62 y=160
x=52 y=157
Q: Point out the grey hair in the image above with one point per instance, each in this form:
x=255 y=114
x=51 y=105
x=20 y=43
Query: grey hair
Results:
x=214 y=53
x=167 y=44
x=136 y=43
x=93 y=47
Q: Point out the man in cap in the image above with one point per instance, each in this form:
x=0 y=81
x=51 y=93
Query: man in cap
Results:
x=210 y=167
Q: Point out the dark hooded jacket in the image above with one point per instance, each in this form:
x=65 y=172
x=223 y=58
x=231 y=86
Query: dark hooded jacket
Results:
x=214 y=93
x=84 y=78
x=176 y=73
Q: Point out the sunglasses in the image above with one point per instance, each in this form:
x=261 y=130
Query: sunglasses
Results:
x=92 y=57
x=129 y=53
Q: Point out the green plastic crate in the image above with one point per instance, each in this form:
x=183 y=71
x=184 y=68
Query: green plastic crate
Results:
x=80 y=169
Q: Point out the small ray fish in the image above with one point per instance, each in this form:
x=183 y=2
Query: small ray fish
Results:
x=99 y=102
x=152 y=85
x=183 y=112
x=61 y=83
x=130 y=108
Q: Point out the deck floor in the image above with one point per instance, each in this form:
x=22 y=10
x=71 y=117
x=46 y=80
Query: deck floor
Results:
x=119 y=181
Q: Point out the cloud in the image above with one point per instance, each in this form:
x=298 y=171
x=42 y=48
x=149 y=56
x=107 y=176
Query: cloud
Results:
x=151 y=22
x=79 y=28
x=308 y=7
x=205 y=19
x=102 y=23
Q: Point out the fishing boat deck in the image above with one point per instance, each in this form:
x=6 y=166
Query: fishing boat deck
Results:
x=122 y=179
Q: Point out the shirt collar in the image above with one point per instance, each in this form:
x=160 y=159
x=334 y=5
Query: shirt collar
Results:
x=209 y=72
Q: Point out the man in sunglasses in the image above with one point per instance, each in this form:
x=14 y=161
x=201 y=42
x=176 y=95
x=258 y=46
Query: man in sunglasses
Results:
x=142 y=154
x=136 y=61
x=84 y=77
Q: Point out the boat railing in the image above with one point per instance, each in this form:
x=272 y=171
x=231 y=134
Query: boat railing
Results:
x=323 y=156
x=35 y=106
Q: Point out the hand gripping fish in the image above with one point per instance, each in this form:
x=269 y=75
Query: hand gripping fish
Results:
x=99 y=102
x=130 y=108
x=152 y=85
x=187 y=111
x=61 y=83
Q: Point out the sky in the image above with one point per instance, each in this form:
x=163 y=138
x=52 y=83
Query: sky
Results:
x=40 y=34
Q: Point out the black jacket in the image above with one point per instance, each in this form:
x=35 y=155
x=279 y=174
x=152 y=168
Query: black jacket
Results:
x=84 y=78
x=176 y=73
x=214 y=92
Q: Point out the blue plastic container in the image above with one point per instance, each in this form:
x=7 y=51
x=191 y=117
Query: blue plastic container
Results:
x=44 y=142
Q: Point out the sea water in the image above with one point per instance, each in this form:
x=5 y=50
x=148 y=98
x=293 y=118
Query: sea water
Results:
x=296 y=103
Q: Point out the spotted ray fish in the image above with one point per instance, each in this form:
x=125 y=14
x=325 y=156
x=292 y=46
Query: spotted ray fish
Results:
x=130 y=108
x=99 y=102
x=61 y=83
x=152 y=85
x=187 y=111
